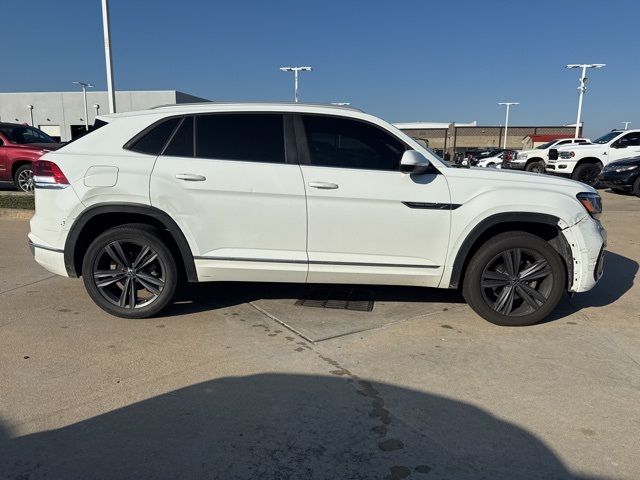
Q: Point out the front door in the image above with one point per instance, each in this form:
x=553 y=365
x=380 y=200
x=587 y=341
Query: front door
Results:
x=368 y=222
x=225 y=179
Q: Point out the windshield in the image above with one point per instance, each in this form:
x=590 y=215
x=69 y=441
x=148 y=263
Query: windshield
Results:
x=23 y=134
x=546 y=145
x=606 y=138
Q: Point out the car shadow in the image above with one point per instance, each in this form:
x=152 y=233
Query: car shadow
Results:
x=199 y=297
x=281 y=426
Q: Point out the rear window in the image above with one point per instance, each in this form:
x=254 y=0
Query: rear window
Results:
x=181 y=144
x=153 y=141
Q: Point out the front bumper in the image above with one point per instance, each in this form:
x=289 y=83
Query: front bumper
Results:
x=588 y=240
x=622 y=180
x=559 y=167
x=513 y=165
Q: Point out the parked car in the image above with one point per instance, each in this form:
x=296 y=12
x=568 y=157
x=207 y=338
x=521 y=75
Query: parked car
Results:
x=20 y=145
x=585 y=162
x=497 y=160
x=622 y=176
x=304 y=194
x=534 y=160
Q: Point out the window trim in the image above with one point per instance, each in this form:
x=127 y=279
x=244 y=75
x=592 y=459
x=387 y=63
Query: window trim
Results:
x=304 y=154
x=175 y=132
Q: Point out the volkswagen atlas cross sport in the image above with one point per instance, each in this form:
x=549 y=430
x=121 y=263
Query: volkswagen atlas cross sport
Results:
x=303 y=194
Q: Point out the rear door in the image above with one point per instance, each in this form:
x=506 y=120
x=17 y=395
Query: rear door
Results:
x=233 y=186
x=368 y=222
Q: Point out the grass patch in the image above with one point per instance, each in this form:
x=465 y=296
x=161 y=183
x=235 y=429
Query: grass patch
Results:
x=25 y=202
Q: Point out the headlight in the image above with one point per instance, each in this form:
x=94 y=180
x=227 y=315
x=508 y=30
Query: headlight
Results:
x=567 y=154
x=626 y=168
x=591 y=202
x=521 y=156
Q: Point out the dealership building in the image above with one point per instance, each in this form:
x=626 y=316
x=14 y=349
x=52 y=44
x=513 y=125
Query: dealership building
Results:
x=61 y=114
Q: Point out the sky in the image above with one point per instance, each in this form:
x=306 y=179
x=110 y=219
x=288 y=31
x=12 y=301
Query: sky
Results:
x=402 y=60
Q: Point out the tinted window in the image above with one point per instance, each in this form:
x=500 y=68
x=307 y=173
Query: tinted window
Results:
x=155 y=139
x=564 y=142
x=22 y=134
x=253 y=137
x=181 y=144
x=631 y=139
x=340 y=142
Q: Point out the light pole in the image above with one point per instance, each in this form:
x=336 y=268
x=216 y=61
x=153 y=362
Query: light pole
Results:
x=84 y=86
x=107 y=56
x=582 y=88
x=626 y=125
x=30 y=107
x=295 y=71
x=506 y=121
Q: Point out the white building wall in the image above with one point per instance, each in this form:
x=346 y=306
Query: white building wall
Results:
x=67 y=108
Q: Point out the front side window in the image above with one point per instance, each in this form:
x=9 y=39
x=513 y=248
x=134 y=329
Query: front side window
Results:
x=341 y=142
x=252 y=137
x=153 y=141
x=630 y=139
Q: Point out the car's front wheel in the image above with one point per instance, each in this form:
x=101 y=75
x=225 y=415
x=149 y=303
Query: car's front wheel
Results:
x=587 y=173
x=129 y=272
x=535 y=167
x=515 y=279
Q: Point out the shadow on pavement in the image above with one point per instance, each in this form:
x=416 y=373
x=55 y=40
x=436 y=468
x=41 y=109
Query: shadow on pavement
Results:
x=198 y=297
x=285 y=427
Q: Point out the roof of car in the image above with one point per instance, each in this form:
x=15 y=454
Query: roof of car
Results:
x=8 y=124
x=237 y=106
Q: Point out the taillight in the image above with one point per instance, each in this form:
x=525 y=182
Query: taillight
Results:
x=48 y=175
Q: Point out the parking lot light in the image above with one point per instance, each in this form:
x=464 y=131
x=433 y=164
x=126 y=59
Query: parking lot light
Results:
x=84 y=86
x=626 y=125
x=506 y=121
x=295 y=71
x=582 y=87
x=30 y=107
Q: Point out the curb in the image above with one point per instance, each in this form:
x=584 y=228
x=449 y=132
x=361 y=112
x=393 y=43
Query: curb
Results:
x=16 y=213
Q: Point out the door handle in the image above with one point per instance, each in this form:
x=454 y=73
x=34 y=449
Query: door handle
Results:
x=190 y=177
x=323 y=185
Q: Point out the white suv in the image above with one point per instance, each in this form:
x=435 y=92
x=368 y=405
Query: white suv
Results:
x=305 y=194
x=534 y=160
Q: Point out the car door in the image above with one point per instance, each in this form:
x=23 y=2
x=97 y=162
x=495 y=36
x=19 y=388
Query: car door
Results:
x=225 y=179
x=625 y=147
x=367 y=221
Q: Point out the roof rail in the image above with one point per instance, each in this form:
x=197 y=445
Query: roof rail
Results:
x=326 y=105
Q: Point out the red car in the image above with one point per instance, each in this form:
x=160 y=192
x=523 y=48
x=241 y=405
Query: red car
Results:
x=20 y=145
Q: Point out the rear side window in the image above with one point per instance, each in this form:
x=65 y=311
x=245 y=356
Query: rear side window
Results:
x=153 y=141
x=253 y=137
x=181 y=145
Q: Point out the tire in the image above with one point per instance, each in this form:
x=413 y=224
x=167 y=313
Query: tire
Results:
x=109 y=267
x=498 y=294
x=636 y=187
x=535 y=167
x=23 y=178
x=587 y=173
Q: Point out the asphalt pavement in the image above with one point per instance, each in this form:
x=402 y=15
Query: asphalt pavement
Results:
x=239 y=381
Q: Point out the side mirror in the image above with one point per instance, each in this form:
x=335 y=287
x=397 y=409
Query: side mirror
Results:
x=414 y=162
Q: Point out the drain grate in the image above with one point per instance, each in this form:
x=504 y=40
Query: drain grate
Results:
x=356 y=299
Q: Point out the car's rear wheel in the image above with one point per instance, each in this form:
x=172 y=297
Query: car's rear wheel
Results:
x=23 y=178
x=535 y=167
x=515 y=279
x=129 y=272
x=587 y=173
x=636 y=187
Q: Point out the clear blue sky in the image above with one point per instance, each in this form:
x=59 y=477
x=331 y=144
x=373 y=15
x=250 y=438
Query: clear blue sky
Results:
x=446 y=60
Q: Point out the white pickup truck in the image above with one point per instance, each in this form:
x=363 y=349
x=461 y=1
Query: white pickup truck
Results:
x=534 y=160
x=585 y=162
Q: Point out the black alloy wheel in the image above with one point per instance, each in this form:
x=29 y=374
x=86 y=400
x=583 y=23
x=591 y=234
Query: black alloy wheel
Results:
x=129 y=271
x=515 y=279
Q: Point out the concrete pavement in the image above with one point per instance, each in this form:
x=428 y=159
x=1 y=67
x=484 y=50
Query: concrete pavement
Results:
x=236 y=381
